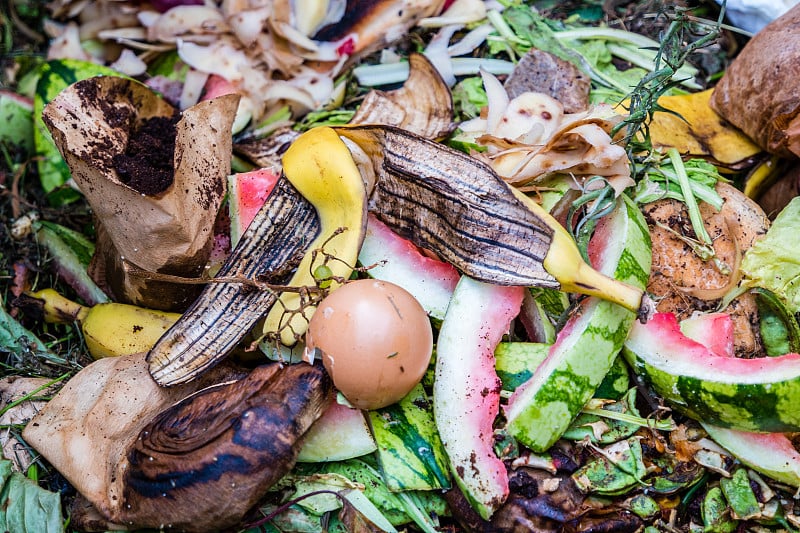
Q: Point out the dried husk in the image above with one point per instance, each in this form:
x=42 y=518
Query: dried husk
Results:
x=758 y=92
x=195 y=456
x=423 y=105
x=15 y=389
x=170 y=232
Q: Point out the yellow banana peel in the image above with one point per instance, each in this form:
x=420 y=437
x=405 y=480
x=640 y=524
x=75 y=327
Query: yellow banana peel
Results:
x=320 y=167
x=109 y=329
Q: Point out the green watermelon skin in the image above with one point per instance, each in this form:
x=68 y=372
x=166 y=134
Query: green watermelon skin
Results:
x=760 y=394
x=541 y=409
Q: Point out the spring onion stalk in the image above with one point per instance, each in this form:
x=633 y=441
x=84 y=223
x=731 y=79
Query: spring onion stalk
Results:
x=608 y=34
x=700 y=191
x=391 y=73
x=685 y=74
x=503 y=29
x=688 y=197
x=662 y=425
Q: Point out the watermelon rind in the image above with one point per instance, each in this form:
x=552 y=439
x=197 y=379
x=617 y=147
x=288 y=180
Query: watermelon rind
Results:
x=541 y=410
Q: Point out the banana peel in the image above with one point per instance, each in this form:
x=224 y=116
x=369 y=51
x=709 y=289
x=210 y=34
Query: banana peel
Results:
x=320 y=167
x=438 y=198
x=109 y=329
x=457 y=207
x=695 y=129
x=233 y=304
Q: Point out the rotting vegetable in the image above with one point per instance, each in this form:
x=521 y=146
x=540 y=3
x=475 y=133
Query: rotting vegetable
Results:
x=541 y=492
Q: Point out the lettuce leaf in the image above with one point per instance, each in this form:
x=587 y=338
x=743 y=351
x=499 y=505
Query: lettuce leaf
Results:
x=26 y=507
x=773 y=263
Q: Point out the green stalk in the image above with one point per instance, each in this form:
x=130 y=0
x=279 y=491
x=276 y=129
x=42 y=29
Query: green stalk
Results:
x=33 y=393
x=662 y=425
x=688 y=197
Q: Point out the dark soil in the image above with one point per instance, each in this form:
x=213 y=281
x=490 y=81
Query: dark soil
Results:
x=147 y=164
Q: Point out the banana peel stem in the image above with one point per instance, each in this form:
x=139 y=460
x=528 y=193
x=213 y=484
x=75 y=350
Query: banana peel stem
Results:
x=564 y=262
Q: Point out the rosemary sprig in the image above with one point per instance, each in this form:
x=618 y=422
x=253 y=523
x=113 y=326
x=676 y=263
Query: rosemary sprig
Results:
x=672 y=54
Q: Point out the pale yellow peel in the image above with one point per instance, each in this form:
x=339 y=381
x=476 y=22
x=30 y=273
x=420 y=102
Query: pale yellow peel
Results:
x=564 y=262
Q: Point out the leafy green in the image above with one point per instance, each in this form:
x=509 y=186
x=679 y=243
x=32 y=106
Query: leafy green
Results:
x=469 y=97
x=14 y=338
x=324 y=117
x=661 y=181
x=773 y=262
x=397 y=507
x=72 y=252
x=24 y=506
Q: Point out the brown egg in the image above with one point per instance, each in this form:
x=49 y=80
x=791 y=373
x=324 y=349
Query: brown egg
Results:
x=375 y=341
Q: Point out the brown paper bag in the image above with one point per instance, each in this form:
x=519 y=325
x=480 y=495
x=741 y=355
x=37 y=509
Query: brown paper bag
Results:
x=169 y=231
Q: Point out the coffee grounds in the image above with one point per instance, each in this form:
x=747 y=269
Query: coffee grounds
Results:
x=147 y=164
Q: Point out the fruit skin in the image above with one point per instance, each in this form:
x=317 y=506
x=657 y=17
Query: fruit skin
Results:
x=114 y=329
x=410 y=453
x=541 y=409
x=758 y=394
x=247 y=192
x=319 y=165
x=506 y=239
x=340 y=433
x=466 y=389
x=109 y=329
x=772 y=454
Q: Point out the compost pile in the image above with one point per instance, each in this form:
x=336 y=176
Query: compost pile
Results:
x=398 y=266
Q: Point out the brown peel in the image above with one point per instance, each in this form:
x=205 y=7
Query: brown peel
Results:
x=423 y=105
x=196 y=456
x=681 y=282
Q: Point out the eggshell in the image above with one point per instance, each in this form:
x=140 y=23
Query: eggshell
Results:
x=375 y=340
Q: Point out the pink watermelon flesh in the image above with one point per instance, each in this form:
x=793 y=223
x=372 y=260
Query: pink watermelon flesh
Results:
x=247 y=193
x=392 y=258
x=467 y=390
x=712 y=330
x=674 y=352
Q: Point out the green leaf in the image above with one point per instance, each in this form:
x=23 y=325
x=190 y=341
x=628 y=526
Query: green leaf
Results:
x=72 y=252
x=16 y=339
x=740 y=495
x=618 y=469
x=26 y=507
x=469 y=97
x=773 y=262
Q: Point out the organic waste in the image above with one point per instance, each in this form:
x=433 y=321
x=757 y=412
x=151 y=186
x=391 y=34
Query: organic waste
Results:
x=398 y=265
